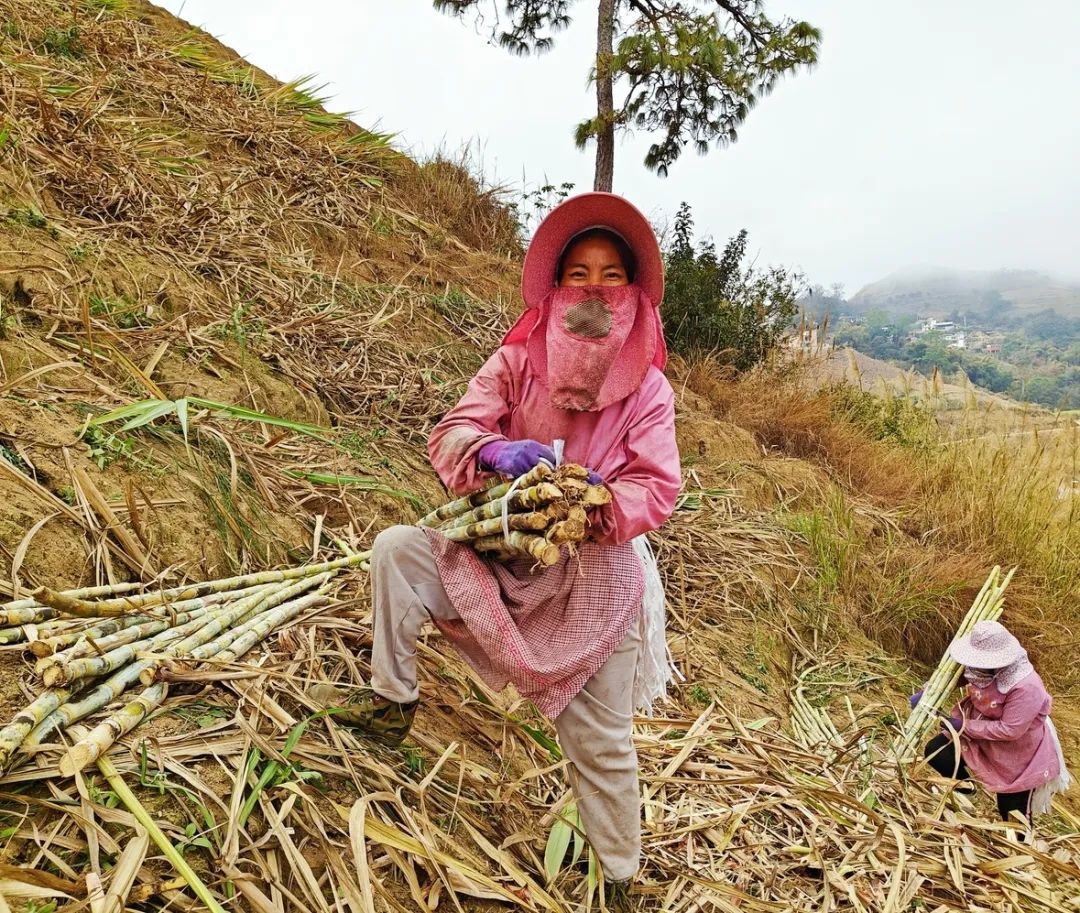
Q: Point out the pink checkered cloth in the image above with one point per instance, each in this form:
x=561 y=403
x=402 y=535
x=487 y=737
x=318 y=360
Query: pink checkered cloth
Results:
x=548 y=631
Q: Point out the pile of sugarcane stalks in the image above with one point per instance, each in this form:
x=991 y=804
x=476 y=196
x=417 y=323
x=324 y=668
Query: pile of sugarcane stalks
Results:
x=535 y=516
x=987 y=606
x=812 y=726
x=94 y=644
x=90 y=651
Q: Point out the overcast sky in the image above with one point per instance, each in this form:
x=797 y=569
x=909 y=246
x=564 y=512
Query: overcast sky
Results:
x=931 y=133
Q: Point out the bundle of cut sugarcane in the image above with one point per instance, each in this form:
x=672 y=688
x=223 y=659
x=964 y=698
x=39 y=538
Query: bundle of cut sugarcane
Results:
x=938 y=691
x=93 y=644
x=535 y=516
x=810 y=725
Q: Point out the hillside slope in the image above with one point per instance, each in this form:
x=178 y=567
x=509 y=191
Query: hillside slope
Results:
x=174 y=223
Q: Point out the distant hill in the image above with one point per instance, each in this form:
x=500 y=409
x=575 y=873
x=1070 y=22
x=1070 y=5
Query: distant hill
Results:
x=936 y=292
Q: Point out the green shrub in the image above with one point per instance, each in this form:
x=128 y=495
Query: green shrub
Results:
x=897 y=419
x=714 y=305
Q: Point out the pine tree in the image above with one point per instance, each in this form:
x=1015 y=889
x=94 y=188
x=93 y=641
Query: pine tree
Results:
x=690 y=71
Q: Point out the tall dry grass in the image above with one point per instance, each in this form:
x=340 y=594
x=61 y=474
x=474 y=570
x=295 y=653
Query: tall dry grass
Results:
x=922 y=510
x=453 y=192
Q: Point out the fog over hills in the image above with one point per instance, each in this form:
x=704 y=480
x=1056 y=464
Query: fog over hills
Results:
x=934 y=291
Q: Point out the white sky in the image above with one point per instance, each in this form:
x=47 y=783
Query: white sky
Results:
x=931 y=133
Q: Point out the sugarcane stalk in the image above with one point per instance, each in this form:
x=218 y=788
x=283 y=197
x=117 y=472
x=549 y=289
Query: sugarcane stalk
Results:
x=596 y=496
x=952 y=670
x=565 y=532
x=932 y=691
x=810 y=724
x=801 y=712
x=109 y=771
x=562 y=510
x=49 y=646
x=528 y=544
x=973 y=615
x=12 y=636
x=539 y=473
x=91 y=666
x=117 y=725
x=208 y=624
x=497 y=548
x=988 y=606
x=28 y=616
x=111 y=607
x=259 y=629
x=185 y=611
x=102 y=737
x=85 y=592
x=223 y=640
x=135 y=634
x=223 y=622
x=570 y=471
x=494 y=527
x=528 y=499
x=15 y=732
x=22 y=633
x=180 y=638
x=73 y=711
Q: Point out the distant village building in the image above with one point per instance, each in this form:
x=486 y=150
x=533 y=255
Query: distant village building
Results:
x=956 y=340
x=930 y=325
x=992 y=348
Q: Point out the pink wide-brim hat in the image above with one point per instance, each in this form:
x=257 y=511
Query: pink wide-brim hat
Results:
x=989 y=645
x=578 y=214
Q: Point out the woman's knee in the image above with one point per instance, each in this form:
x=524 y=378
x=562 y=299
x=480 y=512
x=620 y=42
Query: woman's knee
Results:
x=938 y=749
x=395 y=538
x=404 y=547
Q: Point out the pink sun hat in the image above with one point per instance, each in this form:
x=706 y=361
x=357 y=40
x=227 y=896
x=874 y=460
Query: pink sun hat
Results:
x=990 y=645
x=578 y=214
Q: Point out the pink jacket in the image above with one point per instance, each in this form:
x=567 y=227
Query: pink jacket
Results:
x=1004 y=740
x=631 y=443
x=549 y=630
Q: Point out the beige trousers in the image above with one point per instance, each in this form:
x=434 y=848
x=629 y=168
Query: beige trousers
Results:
x=595 y=730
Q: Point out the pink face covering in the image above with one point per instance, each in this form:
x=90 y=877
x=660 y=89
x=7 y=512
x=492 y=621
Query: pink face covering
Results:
x=593 y=345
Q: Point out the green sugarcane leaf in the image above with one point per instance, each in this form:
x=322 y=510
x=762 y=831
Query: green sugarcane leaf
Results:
x=139 y=413
x=251 y=415
x=557 y=844
x=365 y=483
x=579 y=837
x=182 y=418
x=158 y=411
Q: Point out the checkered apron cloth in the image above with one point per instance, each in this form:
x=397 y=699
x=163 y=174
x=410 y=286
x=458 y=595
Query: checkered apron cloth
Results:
x=547 y=630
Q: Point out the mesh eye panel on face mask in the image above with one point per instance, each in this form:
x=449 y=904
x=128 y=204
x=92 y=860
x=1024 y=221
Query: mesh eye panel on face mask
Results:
x=590 y=318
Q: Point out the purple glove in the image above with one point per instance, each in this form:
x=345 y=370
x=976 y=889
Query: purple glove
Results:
x=915 y=698
x=514 y=458
x=956 y=722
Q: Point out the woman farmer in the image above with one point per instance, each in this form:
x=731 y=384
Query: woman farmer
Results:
x=582 y=365
x=1007 y=740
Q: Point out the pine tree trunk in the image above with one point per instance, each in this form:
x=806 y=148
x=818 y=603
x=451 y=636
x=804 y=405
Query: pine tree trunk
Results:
x=605 y=101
